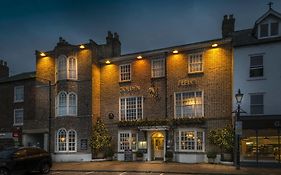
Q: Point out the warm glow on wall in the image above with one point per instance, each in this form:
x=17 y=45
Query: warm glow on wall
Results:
x=139 y=57
x=175 y=51
x=42 y=54
x=107 y=62
x=82 y=46
x=215 y=45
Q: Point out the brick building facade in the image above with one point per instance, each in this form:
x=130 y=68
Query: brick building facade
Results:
x=157 y=101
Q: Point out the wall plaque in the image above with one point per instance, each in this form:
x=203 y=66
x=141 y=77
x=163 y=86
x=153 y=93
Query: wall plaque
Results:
x=187 y=82
x=129 y=89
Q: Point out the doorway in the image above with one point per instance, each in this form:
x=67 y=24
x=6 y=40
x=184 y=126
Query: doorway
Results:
x=157 y=143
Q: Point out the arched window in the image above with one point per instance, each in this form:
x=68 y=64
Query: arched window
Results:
x=66 y=141
x=72 y=104
x=62 y=104
x=61 y=140
x=72 y=67
x=72 y=141
x=61 y=67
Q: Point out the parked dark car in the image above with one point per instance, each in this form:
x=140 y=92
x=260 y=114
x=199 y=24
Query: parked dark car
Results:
x=22 y=160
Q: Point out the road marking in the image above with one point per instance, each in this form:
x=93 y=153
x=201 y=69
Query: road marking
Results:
x=123 y=173
x=91 y=172
x=56 y=173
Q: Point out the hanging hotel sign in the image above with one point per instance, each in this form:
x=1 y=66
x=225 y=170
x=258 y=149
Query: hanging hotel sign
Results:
x=129 y=89
x=187 y=82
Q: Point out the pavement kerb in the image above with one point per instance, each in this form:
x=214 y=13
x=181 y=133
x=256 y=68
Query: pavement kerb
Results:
x=130 y=171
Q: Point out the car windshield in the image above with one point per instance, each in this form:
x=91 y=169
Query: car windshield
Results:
x=6 y=153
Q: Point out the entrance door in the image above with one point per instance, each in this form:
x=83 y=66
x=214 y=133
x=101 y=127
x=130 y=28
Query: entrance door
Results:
x=157 y=146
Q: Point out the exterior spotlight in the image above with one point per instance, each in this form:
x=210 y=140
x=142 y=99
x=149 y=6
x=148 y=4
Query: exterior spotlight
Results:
x=139 y=57
x=175 y=51
x=42 y=54
x=82 y=46
x=107 y=62
x=215 y=45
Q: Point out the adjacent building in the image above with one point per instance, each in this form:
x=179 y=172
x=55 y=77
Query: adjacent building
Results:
x=257 y=74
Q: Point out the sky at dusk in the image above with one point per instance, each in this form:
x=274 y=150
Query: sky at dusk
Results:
x=29 y=25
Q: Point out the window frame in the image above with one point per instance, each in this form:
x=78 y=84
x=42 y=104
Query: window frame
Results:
x=120 y=72
x=130 y=140
x=192 y=64
x=256 y=67
x=67 y=69
x=18 y=124
x=269 y=29
x=179 y=139
x=163 y=69
x=262 y=105
x=67 y=143
x=67 y=104
x=175 y=106
x=16 y=88
x=125 y=108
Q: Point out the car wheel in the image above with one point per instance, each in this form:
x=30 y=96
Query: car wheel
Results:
x=45 y=168
x=4 y=171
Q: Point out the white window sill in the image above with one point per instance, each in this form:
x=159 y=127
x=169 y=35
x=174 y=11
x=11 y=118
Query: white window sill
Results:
x=18 y=124
x=256 y=78
x=18 y=101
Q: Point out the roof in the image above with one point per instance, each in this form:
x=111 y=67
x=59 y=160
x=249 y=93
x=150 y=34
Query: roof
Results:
x=18 y=77
x=269 y=12
x=190 y=46
x=246 y=37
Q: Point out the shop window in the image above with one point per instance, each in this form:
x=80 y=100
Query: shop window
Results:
x=256 y=66
x=256 y=104
x=66 y=141
x=189 y=140
x=127 y=141
x=195 y=63
x=18 y=94
x=158 y=68
x=125 y=72
x=131 y=108
x=189 y=104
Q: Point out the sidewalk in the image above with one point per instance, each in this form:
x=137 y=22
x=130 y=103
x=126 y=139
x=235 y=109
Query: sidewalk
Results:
x=159 y=167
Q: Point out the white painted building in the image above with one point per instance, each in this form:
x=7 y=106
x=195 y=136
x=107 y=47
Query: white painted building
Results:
x=257 y=73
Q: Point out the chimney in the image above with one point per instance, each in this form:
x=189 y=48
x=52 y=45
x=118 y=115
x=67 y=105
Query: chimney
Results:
x=109 y=37
x=227 y=25
x=4 y=69
x=116 y=45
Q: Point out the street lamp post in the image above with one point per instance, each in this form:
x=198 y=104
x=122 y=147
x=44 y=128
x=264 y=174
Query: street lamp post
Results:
x=238 y=97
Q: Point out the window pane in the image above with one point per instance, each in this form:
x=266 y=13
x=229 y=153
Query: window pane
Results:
x=62 y=108
x=72 y=68
x=124 y=141
x=158 y=68
x=256 y=106
x=274 y=28
x=199 y=140
x=72 y=104
x=256 y=66
x=19 y=93
x=195 y=63
x=18 y=117
x=61 y=67
x=125 y=72
x=61 y=140
x=71 y=140
x=131 y=108
x=263 y=30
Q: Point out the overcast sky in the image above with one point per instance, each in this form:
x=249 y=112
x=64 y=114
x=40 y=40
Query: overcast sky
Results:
x=29 y=25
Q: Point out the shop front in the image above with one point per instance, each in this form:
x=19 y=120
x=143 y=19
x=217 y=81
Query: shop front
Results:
x=260 y=141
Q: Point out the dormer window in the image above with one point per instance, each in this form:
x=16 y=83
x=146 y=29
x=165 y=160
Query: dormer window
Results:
x=270 y=29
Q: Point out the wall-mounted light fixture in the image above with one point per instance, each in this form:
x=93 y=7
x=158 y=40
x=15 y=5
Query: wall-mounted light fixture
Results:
x=215 y=45
x=175 y=51
x=82 y=46
x=107 y=62
x=42 y=54
x=139 y=57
